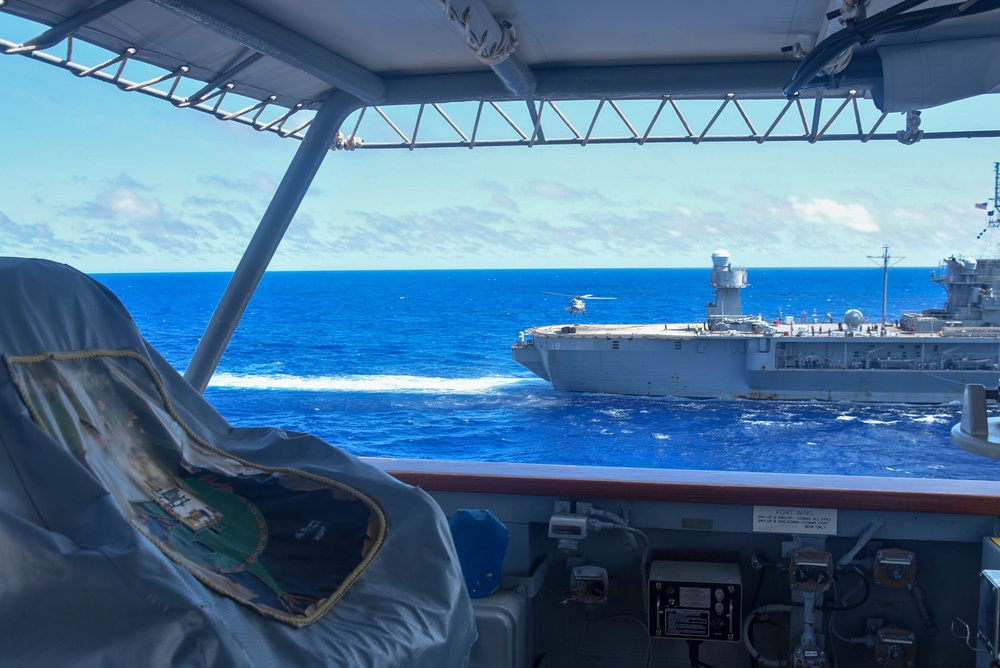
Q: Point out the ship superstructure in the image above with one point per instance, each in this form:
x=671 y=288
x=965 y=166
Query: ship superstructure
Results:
x=973 y=288
x=972 y=285
x=727 y=281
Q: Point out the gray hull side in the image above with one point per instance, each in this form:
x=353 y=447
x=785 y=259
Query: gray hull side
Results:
x=531 y=359
x=883 y=386
x=653 y=368
x=739 y=367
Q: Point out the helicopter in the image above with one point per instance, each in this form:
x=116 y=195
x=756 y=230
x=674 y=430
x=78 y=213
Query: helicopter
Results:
x=577 y=303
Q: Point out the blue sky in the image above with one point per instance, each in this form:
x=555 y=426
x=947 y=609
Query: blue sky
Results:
x=112 y=181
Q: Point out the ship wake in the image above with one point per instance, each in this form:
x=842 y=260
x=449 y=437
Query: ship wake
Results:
x=367 y=383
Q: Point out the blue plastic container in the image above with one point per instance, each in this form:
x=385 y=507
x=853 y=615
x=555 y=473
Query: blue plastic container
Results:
x=481 y=542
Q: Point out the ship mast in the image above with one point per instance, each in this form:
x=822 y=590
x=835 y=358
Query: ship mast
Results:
x=991 y=219
x=885 y=257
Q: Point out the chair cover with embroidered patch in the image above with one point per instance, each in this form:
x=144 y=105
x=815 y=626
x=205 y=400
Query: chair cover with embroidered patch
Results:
x=137 y=527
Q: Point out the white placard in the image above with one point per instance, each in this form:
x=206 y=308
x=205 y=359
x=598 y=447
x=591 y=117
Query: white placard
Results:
x=782 y=519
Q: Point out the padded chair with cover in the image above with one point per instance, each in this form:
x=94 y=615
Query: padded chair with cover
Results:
x=137 y=527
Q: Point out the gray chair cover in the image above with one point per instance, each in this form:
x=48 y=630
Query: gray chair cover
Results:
x=137 y=527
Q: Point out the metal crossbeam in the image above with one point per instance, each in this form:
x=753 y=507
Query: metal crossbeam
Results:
x=493 y=121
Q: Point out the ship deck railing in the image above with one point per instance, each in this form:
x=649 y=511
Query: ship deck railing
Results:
x=909 y=495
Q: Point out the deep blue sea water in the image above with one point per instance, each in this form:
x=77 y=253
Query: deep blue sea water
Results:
x=417 y=364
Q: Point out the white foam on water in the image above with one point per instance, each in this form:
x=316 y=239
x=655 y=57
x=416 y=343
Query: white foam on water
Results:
x=932 y=419
x=364 y=383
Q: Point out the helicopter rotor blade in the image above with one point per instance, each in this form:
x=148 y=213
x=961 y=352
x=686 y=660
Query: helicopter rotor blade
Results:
x=587 y=296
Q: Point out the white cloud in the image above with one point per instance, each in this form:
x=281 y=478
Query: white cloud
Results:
x=127 y=203
x=554 y=190
x=824 y=211
x=121 y=203
x=504 y=202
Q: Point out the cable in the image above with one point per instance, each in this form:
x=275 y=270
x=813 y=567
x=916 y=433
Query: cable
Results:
x=616 y=519
x=859 y=31
x=693 y=647
x=843 y=608
x=831 y=48
x=760 y=580
x=866 y=640
x=754 y=654
x=630 y=532
x=921 y=598
x=649 y=641
x=864 y=599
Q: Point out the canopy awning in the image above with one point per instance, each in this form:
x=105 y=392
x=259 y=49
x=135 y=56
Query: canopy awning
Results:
x=271 y=63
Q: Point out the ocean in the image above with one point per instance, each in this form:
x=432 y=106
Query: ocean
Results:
x=416 y=364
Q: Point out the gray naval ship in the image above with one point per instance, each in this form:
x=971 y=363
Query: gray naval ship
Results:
x=926 y=357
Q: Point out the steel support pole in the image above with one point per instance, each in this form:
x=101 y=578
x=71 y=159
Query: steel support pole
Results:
x=316 y=144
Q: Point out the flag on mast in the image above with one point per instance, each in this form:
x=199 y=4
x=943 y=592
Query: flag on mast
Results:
x=981 y=205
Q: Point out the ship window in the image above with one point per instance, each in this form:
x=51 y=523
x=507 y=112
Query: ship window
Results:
x=677 y=345
x=614 y=345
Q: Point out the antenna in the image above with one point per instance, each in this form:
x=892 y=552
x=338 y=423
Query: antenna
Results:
x=992 y=220
x=885 y=257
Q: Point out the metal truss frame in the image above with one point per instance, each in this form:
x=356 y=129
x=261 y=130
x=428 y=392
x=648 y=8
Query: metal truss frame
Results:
x=814 y=123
